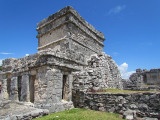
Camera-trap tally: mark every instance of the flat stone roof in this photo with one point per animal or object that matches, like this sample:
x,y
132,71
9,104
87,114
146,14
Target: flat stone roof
x,y
65,11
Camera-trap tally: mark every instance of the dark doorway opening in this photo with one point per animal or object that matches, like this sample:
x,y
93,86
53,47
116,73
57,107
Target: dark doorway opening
x,y
65,87
19,87
31,87
9,87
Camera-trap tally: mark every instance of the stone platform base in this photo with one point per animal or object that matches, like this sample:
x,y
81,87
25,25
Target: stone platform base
x,y
56,107
10,110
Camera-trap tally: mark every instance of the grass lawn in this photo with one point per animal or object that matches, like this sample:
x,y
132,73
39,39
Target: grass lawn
x,y
125,91
81,114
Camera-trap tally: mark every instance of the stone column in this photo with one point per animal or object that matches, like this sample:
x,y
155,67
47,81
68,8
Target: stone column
x,y
58,78
4,94
54,87
25,95
40,86
36,86
14,88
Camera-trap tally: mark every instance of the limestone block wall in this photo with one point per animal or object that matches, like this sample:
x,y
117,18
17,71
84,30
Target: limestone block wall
x,y
94,44
49,90
100,73
153,77
66,25
130,106
40,86
52,35
115,80
48,87
20,65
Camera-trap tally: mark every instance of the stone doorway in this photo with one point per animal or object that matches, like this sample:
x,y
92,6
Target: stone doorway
x,y
19,84
9,86
65,87
31,87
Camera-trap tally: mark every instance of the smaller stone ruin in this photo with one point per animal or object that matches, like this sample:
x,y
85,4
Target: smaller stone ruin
x,y
143,80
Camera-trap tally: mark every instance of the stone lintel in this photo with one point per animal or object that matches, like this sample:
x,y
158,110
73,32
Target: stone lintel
x,y
51,59
59,61
65,11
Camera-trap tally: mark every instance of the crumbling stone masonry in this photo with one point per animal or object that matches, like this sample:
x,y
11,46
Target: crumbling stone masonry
x,y
70,58
133,106
144,80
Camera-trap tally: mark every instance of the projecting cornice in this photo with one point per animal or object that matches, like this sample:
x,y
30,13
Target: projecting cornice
x,y
72,17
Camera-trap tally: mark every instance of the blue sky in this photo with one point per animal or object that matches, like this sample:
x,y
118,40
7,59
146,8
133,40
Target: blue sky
x,y
131,28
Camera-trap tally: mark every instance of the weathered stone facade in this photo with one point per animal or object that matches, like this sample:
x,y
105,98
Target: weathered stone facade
x,y
101,73
144,80
70,58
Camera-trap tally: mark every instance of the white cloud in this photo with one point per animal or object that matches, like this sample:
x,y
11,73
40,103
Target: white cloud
x,y
3,53
0,62
115,53
117,9
123,70
27,54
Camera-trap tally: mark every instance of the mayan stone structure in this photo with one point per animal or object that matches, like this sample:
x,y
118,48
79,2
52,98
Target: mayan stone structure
x,y
70,58
144,80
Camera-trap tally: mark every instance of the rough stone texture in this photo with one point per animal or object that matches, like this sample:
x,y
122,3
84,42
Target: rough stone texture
x,y
143,80
25,88
63,12
101,73
14,89
4,94
67,23
49,91
10,110
131,106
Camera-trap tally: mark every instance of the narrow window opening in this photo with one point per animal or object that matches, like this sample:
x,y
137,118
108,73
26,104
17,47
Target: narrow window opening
x,y
19,87
31,87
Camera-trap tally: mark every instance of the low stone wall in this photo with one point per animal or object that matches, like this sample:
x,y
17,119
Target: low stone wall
x,y
130,106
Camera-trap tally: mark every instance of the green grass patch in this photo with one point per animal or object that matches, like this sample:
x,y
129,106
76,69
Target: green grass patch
x,y
125,91
145,85
81,114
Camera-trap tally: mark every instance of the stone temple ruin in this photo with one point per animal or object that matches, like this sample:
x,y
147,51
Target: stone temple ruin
x,y
143,80
70,58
